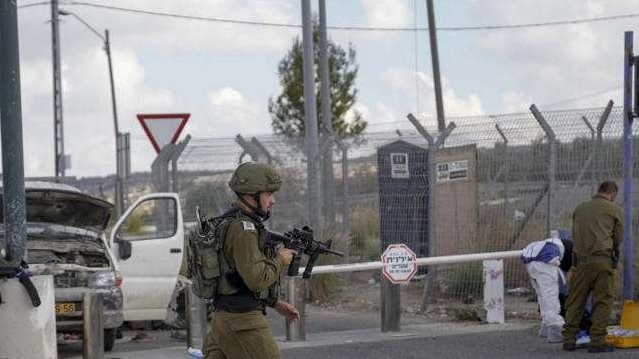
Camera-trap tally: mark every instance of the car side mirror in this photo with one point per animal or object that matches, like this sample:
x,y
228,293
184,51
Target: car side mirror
x,y
124,249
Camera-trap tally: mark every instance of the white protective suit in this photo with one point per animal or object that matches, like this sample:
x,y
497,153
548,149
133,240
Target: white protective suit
x,y
542,263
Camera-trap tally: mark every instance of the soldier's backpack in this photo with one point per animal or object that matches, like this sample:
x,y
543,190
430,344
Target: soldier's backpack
x,y
203,254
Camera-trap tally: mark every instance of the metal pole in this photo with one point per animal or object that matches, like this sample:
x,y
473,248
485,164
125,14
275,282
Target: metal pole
x,y
434,54
312,146
58,125
345,203
628,161
391,306
196,319
327,115
11,127
552,164
119,195
93,326
296,295
433,146
600,127
506,176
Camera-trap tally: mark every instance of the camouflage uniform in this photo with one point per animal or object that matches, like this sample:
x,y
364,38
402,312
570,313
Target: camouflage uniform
x,y
240,328
597,230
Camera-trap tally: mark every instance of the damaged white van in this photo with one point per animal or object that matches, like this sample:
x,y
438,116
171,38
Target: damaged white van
x,y
136,270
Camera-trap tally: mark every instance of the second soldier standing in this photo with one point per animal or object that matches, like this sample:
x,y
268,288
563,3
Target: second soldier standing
x,y
597,228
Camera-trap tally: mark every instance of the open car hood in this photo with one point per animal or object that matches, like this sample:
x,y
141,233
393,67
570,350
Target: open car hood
x,y
65,206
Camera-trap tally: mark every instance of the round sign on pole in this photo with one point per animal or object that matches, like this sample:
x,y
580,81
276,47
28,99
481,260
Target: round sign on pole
x,y
399,263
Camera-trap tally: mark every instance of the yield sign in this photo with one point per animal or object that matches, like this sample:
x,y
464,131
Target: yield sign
x,y
398,263
163,128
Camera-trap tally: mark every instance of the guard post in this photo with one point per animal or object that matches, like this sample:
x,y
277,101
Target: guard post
x,y
403,209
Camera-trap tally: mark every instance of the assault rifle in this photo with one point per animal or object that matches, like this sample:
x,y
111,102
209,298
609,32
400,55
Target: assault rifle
x,y
301,240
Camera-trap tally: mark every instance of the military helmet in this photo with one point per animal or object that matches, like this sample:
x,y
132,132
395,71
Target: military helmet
x,y
253,177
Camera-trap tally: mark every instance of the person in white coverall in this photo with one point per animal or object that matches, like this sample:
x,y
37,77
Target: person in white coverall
x,y
542,259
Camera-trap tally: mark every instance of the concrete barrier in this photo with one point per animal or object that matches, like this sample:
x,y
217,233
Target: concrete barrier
x,y
27,331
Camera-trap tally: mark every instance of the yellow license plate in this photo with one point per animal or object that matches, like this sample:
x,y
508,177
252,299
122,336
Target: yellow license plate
x,y
62,308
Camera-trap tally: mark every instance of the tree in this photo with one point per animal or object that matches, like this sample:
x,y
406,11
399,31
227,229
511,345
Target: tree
x,y
287,109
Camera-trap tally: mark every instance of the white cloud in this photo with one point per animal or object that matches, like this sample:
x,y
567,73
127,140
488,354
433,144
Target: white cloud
x,y
403,80
549,64
231,113
513,102
88,123
387,13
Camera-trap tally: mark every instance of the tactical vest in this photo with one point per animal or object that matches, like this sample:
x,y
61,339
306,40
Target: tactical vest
x,y
215,279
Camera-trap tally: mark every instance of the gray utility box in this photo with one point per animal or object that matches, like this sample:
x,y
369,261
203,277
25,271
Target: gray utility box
x,y
403,196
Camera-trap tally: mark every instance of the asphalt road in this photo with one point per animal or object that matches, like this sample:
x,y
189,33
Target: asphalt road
x,y
516,344
334,334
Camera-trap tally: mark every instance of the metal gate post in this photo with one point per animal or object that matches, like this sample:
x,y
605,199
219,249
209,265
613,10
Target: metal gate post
x,y
93,326
552,164
598,143
433,145
196,319
504,167
296,295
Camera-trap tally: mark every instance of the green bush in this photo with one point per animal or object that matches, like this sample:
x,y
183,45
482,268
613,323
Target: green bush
x,y
365,232
466,280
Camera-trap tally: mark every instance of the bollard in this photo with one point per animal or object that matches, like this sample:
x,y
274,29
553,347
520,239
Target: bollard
x,y
93,326
296,295
196,319
391,308
494,291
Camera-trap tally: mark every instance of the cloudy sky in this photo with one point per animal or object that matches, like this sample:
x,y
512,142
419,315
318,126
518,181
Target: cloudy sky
x,y
223,74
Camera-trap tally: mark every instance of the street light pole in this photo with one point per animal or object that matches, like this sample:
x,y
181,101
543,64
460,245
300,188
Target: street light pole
x,y
58,125
119,171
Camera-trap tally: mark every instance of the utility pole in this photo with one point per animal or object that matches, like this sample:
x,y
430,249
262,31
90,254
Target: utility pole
x,y
119,173
58,124
310,114
327,120
120,140
11,127
434,54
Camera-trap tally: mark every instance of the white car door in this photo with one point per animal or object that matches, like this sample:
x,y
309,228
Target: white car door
x,y
148,241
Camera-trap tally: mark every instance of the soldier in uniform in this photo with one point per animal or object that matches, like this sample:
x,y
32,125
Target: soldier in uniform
x,y
597,229
250,279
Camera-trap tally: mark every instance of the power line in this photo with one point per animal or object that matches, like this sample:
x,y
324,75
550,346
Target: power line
x,y
356,28
582,97
33,4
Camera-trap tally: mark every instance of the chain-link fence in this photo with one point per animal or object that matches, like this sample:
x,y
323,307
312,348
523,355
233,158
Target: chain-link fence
x,y
499,182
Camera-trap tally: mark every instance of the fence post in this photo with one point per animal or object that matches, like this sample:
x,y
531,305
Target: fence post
x,y
247,149
600,127
296,295
433,145
505,167
262,150
552,164
391,305
494,290
345,203
196,319
93,326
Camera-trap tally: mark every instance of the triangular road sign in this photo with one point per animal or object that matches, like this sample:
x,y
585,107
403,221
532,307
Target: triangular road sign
x,y
163,128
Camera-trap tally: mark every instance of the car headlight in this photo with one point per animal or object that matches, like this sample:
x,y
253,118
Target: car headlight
x,y
105,279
